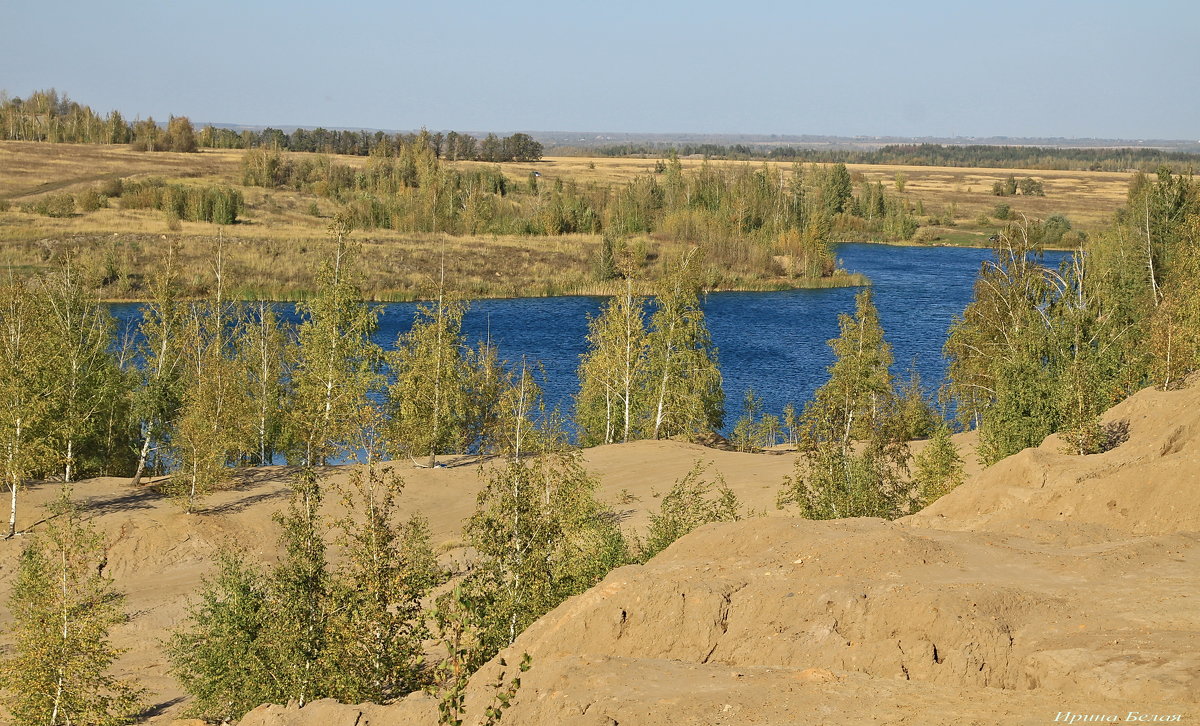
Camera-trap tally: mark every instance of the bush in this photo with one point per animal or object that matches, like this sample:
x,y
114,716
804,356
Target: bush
x,y
55,205
90,200
111,187
1002,211
692,502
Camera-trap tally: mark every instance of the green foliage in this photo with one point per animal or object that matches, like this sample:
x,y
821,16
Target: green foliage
x,y
264,349
62,608
429,398
613,372
832,481
1002,211
220,657
754,430
26,418
378,624
685,393
853,451
692,502
541,537
918,419
54,205
159,395
304,631
336,367
938,468
1031,187
90,395
89,200
191,203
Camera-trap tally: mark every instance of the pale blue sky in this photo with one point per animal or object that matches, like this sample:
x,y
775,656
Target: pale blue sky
x,y
1017,68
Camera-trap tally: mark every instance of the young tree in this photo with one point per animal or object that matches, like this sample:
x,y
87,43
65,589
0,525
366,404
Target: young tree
x,y
612,373
90,383
853,453
429,398
541,537
299,628
27,387
522,426
220,657
689,504
157,400
938,468
213,426
264,349
686,394
377,622
63,606
337,365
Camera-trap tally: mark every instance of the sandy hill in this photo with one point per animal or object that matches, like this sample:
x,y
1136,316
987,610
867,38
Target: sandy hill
x,y
1048,586
158,554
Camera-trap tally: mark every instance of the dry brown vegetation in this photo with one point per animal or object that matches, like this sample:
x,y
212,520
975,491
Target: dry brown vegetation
x,y
276,246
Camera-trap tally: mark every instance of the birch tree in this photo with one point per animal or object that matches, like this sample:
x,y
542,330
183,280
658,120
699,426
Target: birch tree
x,y
685,382
337,365
63,606
264,350
159,395
612,374
88,379
428,400
27,388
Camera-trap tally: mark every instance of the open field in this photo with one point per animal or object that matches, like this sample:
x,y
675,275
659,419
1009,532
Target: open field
x,y
275,248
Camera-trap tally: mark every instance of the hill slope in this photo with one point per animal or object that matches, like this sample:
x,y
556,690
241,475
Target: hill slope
x,y
1048,583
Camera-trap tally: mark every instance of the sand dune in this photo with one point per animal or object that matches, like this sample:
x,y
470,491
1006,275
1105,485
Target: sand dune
x,y
1047,583
1047,586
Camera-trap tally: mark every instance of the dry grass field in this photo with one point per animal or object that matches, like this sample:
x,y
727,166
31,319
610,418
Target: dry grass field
x,y
275,247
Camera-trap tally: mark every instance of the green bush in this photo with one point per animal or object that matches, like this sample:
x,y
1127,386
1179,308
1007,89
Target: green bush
x,y
55,205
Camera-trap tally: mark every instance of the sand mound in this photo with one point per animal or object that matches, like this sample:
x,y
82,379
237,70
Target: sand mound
x,y
1148,484
768,620
1047,584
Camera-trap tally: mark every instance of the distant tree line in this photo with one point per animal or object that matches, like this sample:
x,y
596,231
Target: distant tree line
x,y
50,116
966,155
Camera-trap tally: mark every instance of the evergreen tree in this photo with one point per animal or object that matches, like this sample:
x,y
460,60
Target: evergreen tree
x,y
63,606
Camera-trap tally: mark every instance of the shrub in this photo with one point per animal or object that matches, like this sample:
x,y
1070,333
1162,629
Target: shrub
x,y
55,205
89,200
1002,211
692,502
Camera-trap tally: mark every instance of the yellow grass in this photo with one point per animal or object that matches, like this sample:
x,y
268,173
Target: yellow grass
x,y
278,243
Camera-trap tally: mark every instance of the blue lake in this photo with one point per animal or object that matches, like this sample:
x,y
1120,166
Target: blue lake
x,y
773,342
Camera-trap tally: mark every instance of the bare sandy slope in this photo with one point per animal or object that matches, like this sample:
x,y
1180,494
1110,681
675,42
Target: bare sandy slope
x,y
1047,584
158,555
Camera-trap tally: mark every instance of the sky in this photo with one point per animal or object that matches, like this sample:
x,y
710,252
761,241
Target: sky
x,y
1079,69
